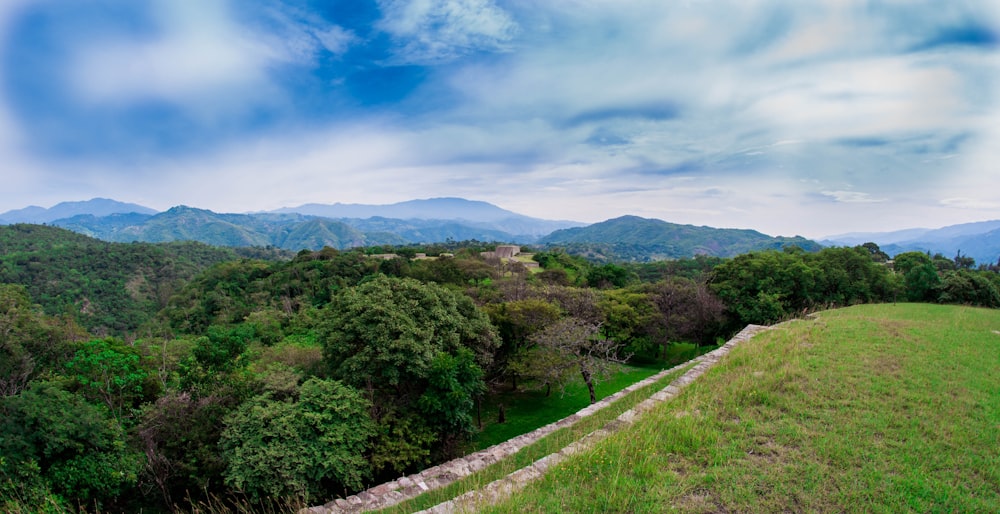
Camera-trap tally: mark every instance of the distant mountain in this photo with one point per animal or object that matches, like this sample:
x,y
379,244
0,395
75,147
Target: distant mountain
x,y
184,223
467,212
429,231
979,240
98,207
288,231
316,233
635,238
860,238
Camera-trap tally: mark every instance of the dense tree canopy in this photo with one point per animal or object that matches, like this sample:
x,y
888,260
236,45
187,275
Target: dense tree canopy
x,y
148,377
417,352
299,448
765,287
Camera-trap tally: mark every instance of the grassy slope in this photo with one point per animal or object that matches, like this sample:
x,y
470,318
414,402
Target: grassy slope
x,y
877,408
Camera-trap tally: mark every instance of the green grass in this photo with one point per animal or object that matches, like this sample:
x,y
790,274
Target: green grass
x,y
876,408
528,409
547,445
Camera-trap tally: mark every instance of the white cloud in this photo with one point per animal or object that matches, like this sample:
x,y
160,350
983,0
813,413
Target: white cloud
x,y
199,53
335,39
852,197
970,203
202,58
434,31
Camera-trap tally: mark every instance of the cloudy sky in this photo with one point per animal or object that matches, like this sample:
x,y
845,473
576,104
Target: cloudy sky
x,y
798,117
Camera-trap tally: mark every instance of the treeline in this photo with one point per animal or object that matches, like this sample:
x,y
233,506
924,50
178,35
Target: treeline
x,y
765,287
309,378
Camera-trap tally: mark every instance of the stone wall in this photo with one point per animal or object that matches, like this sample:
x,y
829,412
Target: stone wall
x,y
404,488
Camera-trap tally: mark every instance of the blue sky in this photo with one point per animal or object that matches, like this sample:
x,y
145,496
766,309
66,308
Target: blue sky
x,y
810,118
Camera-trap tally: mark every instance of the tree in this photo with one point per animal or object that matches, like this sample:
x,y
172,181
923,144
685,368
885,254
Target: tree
x,y
968,287
516,321
72,446
919,275
30,342
575,343
179,435
964,261
610,275
299,449
762,287
685,311
108,371
392,339
875,252
628,318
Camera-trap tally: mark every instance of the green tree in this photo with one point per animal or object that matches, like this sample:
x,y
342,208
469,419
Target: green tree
x,y
389,338
302,449
875,252
67,445
31,343
964,261
629,319
968,287
920,276
610,275
108,371
516,321
762,287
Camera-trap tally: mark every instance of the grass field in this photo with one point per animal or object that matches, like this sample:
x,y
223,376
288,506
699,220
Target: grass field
x,y
875,408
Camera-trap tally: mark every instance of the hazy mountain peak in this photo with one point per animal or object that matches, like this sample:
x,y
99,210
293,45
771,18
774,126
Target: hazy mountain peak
x,y
95,206
428,208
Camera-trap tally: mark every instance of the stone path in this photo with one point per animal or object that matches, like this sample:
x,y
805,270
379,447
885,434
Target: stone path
x,y
404,488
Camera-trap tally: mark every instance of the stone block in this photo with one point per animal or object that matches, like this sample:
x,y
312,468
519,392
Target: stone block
x,y
392,498
524,475
477,464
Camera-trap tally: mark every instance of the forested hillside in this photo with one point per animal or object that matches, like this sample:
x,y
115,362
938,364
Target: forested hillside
x,y
632,238
154,377
109,288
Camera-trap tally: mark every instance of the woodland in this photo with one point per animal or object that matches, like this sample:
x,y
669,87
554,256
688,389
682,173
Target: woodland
x,y
159,376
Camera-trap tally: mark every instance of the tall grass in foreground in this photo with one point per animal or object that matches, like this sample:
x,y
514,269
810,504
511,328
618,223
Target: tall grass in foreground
x,y
549,444
874,408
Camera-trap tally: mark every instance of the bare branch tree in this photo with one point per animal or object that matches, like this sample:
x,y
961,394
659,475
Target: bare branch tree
x,y
574,343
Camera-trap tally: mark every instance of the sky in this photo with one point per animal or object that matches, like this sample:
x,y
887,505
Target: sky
x,y
788,117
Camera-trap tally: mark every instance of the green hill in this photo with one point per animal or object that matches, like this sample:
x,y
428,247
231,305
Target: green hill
x,y
873,408
111,288
635,238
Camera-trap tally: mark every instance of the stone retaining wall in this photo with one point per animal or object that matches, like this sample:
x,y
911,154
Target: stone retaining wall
x,y
404,488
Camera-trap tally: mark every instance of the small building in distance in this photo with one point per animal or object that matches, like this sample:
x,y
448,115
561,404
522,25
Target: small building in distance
x,y
503,252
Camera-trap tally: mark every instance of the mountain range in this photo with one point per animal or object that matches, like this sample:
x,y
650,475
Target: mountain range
x,y
979,240
310,226
341,226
